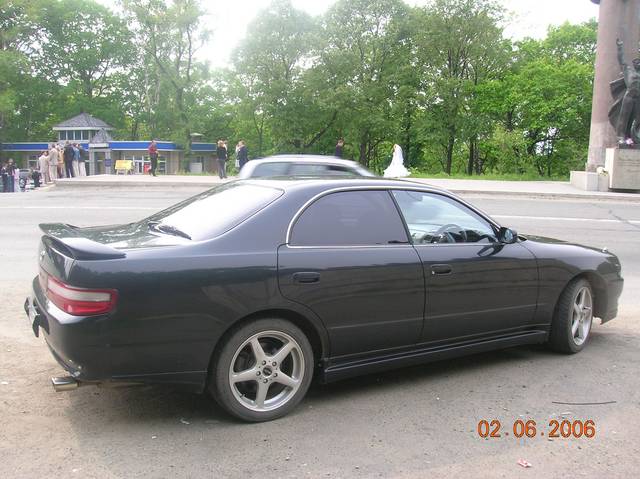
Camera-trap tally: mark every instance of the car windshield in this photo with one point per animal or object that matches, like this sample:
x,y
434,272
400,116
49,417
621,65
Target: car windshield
x,y
215,211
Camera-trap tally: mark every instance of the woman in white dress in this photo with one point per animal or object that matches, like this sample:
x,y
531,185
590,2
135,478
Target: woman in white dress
x,y
396,169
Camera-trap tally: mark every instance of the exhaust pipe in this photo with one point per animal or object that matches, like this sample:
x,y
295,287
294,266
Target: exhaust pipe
x,y
65,383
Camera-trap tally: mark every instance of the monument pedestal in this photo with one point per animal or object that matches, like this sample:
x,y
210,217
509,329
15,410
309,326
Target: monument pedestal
x,y
588,181
623,168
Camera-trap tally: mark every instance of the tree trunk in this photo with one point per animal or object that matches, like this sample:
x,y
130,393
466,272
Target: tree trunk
x,y
363,153
450,145
407,137
472,156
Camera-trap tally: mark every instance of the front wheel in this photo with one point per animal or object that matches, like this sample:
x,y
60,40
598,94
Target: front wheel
x,y
573,318
263,370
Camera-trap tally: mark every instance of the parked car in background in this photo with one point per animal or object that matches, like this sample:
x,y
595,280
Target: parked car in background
x,y
252,288
302,165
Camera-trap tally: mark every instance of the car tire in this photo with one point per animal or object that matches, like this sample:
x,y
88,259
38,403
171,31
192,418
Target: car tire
x,y
262,371
573,318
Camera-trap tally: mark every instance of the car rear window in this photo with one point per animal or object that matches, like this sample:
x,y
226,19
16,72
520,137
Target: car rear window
x,y
314,169
270,169
218,210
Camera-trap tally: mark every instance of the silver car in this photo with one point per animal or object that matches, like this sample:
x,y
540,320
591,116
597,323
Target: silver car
x,y
302,165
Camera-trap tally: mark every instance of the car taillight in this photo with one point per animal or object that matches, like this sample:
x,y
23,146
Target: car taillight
x,y
80,302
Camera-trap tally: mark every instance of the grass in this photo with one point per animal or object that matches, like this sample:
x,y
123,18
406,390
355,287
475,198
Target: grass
x,y
489,176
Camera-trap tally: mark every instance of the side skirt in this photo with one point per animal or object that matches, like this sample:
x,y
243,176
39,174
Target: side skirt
x,y
425,355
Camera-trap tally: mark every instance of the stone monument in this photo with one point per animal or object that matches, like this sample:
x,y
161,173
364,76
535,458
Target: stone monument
x,y
618,39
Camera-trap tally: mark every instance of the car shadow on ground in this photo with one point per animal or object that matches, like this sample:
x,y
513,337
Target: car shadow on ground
x,y
148,404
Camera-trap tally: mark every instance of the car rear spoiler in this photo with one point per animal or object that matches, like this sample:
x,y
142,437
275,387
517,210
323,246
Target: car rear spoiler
x,y
67,240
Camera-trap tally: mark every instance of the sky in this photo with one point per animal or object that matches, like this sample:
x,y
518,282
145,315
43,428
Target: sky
x,y
229,19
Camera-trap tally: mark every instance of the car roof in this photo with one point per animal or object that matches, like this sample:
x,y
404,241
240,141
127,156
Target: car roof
x,y
323,183
291,158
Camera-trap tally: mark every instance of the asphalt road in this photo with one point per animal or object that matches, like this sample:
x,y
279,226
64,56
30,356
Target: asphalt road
x,y
414,423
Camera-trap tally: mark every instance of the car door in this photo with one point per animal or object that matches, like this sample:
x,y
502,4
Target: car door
x,y
476,285
348,258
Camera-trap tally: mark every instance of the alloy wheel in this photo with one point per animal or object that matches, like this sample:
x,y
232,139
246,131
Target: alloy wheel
x,y
266,371
581,316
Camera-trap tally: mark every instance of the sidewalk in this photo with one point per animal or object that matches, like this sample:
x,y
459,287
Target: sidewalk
x,y
534,189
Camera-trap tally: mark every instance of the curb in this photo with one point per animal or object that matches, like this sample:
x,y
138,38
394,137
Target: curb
x,y
627,198
142,184
621,197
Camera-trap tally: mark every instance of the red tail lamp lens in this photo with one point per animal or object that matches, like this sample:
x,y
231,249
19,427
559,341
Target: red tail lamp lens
x,y
80,302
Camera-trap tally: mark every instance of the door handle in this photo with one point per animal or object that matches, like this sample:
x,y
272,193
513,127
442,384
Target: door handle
x,y
440,269
307,277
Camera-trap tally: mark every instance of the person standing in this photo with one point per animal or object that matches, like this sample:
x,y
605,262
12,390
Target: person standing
x,y
60,161
43,166
221,153
396,169
53,163
11,176
242,154
76,159
5,177
82,169
339,147
153,156
68,160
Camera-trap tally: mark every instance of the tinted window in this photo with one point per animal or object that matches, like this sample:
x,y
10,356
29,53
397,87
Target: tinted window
x,y
270,169
310,169
435,218
350,218
216,211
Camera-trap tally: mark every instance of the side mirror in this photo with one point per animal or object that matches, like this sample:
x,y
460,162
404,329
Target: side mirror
x,y
507,235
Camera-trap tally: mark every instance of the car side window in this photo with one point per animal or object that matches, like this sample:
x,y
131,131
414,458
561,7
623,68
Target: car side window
x,y
350,218
335,170
433,218
270,169
306,169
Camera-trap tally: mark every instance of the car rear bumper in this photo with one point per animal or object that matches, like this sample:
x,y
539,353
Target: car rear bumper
x,y
77,343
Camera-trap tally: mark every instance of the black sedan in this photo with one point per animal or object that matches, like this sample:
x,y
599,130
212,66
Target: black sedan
x,y
250,289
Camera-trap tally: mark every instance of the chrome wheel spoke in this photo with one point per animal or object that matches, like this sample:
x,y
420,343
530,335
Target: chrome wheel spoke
x,y
261,395
286,380
577,311
258,352
574,327
282,353
243,376
584,330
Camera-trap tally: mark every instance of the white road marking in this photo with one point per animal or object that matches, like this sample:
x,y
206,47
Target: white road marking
x,y
559,218
79,208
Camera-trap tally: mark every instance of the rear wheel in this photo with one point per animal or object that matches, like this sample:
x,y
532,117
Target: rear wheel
x,y
573,318
263,370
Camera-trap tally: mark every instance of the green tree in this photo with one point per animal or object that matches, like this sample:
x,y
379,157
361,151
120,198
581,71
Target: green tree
x,y
546,99
459,47
269,65
81,44
169,34
364,46
17,26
